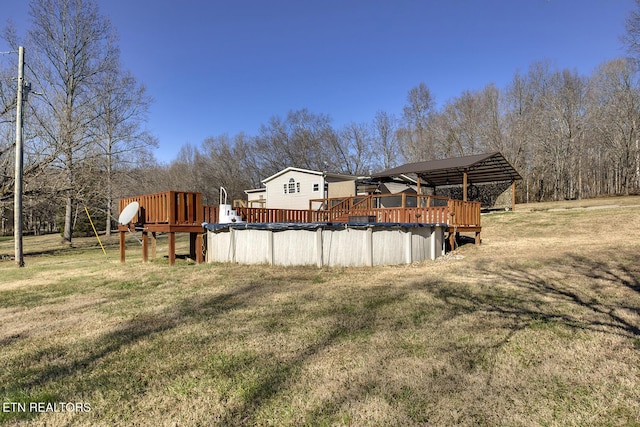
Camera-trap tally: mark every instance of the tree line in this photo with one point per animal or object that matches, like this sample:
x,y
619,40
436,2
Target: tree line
x,y
569,135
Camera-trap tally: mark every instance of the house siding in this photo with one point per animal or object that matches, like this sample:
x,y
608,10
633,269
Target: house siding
x,y
276,198
257,197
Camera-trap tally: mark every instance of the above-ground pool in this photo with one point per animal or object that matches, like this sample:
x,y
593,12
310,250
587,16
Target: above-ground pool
x,y
320,244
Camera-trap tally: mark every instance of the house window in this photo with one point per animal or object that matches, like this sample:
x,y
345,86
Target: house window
x,y
285,188
298,187
292,185
316,187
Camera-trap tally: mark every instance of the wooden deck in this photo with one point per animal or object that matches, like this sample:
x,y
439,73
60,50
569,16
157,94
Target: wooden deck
x,y
175,212
169,212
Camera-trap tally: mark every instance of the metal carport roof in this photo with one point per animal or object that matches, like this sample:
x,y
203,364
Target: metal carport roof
x,y
479,168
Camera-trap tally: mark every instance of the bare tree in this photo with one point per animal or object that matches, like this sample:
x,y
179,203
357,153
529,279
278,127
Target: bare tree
x,y
121,109
519,122
73,46
228,162
416,143
615,114
385,140
353,149
631,38
302,139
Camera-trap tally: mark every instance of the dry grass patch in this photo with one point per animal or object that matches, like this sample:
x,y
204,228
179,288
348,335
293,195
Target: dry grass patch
x,y
538,326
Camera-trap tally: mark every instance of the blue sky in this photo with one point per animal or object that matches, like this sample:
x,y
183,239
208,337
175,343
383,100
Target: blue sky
x,y
227,66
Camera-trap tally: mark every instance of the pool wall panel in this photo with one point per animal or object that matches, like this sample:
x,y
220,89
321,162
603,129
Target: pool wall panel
x,y
330,245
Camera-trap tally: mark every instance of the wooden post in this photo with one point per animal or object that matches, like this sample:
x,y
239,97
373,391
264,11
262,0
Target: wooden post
x,y
192,246
513,196
171,206
464,185
199,248
145,246
153,244
172,248
122,247
195,247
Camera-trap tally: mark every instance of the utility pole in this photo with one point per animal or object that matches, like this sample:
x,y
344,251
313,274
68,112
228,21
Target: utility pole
x,y
17,191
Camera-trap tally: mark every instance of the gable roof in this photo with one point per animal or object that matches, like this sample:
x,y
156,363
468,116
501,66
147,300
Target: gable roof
x,y
480,168
290,169
310,172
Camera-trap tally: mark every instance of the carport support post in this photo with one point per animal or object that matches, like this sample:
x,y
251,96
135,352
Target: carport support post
x,y
513,196
464,185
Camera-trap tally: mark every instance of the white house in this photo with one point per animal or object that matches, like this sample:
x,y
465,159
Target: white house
x,y
292,188
257,197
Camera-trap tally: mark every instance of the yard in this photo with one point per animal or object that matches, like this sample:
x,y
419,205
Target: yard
x,y
540,325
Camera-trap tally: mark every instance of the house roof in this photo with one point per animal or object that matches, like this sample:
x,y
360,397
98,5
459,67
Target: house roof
x,y
311,172
480,168
256,190
290,169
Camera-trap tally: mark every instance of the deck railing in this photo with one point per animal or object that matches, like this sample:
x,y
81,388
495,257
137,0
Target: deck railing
x,y
185,208
464,213
397,200
170,207
434,215
456,213
267,215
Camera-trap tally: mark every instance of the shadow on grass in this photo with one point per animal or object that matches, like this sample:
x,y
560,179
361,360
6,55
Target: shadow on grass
x,y
594,299
351,321
48,365
597,300
532,298
93,365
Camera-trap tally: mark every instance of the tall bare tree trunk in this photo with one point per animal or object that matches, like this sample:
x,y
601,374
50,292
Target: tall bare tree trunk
x,y
109,187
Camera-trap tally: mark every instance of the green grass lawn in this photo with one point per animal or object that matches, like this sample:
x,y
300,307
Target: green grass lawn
x,y
540,325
